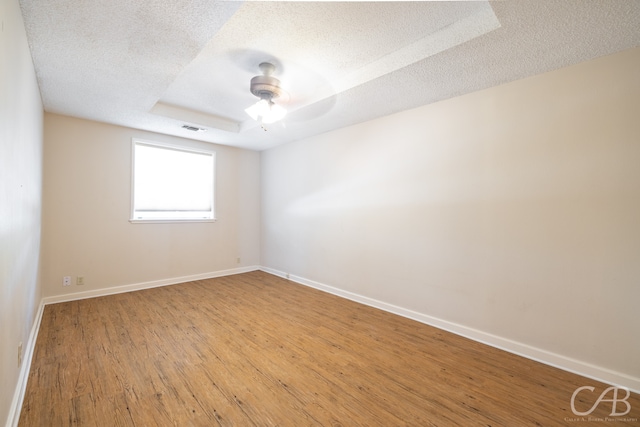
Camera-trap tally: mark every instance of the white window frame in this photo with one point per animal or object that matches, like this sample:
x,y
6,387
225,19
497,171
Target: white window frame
x,y
132,216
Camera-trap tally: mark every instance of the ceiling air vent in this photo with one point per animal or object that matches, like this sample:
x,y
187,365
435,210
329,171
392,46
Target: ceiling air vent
x,y
193,128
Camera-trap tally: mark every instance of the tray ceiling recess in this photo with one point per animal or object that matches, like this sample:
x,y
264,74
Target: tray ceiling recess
x,y
172,67
331,49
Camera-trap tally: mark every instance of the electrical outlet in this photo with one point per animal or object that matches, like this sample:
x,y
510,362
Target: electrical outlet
x,y
66,281
80,281
238,260
20,354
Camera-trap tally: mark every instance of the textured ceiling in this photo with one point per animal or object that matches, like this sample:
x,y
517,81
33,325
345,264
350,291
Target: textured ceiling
x,y
156,65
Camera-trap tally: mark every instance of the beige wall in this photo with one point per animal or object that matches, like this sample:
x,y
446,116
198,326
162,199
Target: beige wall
x,y
20,197
87,196
514,211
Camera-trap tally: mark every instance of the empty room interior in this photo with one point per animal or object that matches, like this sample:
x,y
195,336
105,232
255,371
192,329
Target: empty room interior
x,y
320,213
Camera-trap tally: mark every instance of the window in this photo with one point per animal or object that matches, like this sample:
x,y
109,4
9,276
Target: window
x,y
171,183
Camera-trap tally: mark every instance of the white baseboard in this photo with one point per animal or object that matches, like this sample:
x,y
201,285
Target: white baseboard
x,y
539,355
23,376
145,285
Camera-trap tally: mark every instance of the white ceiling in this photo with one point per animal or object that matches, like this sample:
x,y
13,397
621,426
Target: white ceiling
x,y
156,65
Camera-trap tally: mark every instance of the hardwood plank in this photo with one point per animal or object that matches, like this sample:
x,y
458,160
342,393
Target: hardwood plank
x,y
254,349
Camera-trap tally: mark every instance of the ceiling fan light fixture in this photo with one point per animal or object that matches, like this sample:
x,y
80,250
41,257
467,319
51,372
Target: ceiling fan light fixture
x,y
266,111
266,87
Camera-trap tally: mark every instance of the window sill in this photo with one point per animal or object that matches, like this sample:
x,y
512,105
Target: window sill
x,y
168,221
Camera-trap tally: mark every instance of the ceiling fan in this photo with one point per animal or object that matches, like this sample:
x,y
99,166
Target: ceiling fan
x,y
267,88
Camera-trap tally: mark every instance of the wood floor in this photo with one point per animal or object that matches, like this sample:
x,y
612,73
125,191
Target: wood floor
x,y
257,350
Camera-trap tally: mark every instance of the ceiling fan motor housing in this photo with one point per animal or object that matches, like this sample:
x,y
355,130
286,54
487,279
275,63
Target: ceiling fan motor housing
x,y
266,86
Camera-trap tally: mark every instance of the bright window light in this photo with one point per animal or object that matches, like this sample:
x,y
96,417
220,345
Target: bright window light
x,y
172,183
